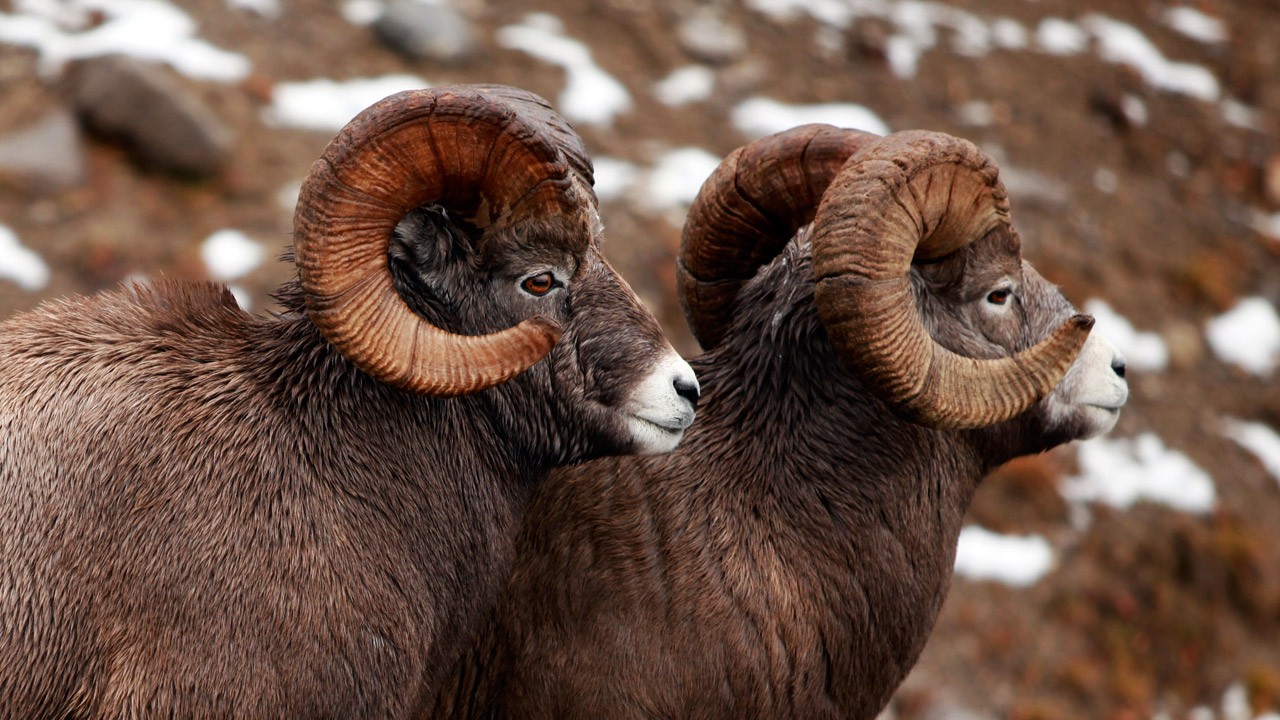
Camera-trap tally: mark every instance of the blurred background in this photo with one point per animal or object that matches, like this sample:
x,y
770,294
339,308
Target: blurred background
x,y
1133,576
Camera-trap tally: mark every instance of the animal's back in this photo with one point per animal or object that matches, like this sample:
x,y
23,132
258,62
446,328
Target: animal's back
x,y
136,524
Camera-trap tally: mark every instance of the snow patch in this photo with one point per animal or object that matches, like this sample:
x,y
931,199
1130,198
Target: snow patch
x,y
1247,335
152,30
1265,223
613,177
760,116
269,9
327,105
1240,115
976,113
230,255
1134,109
677,177
287,196
1059,37
1009,34
590,95
1106,181
1142,350
1259,439
836,13
1120,472
1017,560
691,83
19,264
903,55
242,296
1195,24
362,12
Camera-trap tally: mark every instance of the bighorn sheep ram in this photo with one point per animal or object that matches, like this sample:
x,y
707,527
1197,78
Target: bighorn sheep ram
x,y
790,559
210,514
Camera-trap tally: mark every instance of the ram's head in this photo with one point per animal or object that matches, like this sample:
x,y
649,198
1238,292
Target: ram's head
x,y
448,243
919,277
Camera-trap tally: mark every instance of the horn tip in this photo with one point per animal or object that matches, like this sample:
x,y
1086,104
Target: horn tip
x,y
546,332
1083,322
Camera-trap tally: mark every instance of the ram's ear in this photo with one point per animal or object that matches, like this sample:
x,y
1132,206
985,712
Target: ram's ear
x,y
429,238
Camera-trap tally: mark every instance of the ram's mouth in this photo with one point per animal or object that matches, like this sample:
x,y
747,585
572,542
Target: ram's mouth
x,y
672,429
657,436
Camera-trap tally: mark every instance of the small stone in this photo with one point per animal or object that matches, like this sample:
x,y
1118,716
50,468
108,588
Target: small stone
x,y
149,109
47,156
259,87
1185,343
869,39
705,36
426,31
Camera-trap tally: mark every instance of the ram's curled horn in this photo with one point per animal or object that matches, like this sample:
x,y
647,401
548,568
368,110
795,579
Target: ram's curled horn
x,y
493,155
747,211
921,195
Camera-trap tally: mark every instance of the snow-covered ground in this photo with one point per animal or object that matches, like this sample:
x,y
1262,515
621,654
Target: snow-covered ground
x,y
1247,335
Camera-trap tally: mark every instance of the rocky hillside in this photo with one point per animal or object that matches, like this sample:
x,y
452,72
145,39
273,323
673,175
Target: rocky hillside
x,y
1135,576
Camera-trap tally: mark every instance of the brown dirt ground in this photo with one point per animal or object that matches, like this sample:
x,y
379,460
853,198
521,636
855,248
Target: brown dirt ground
x,y
1149,609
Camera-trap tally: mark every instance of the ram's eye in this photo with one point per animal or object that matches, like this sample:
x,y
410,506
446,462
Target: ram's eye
x,y
539,284
999,297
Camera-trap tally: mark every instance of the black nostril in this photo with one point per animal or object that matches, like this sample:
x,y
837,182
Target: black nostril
x,y
1118,366
686,389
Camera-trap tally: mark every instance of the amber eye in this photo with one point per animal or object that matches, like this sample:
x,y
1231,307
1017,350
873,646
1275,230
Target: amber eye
x,y
999,297
539,284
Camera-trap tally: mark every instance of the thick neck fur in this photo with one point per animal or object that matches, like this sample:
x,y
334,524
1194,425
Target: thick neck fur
x,y
788,560
852,513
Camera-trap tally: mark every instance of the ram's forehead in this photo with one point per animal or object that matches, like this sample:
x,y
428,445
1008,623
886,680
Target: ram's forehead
x,y
549,237
1000,251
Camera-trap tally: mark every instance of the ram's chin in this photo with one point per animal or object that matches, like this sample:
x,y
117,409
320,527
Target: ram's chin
x,y
1095,420
650,438
1080,421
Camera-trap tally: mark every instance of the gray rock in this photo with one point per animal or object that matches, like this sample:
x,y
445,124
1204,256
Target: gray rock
x,y
705,36
48,156
426,31
151,111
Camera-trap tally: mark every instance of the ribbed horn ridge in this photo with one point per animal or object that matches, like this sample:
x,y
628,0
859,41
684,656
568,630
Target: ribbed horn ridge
x,y
493,155
747,211
921,195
